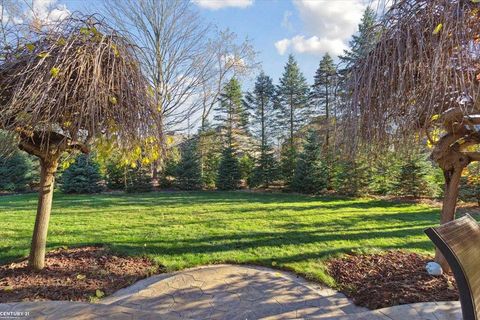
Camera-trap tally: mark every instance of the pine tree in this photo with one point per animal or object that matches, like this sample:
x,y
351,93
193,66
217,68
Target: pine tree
x,y
17,172
363,42
309,172
231,115
265,172
229,174
386,169
139,179
352,176
323,92
170,165
291,102
246,164
83,176
115,176
260,103
188,171
413,180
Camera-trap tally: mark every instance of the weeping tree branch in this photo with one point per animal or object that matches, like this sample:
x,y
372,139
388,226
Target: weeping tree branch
x,y
423,75
64,87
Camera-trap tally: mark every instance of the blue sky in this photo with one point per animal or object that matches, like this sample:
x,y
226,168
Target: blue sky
x,y
306,28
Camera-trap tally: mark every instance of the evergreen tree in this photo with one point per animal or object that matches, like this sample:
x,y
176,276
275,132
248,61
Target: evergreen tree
x,y
288,162
115,175
309,172
210,150
265,172
230,114
139,179
363,41
169,172
188,170
291,102
16,172
246,163
385,170
260,103
82,176
323,93
413,179
229,174
352,176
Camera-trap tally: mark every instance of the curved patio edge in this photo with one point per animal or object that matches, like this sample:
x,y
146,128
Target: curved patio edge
x,y
226,292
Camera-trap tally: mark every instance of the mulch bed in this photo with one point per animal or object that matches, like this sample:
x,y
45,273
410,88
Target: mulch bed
x,y
75,274
392,278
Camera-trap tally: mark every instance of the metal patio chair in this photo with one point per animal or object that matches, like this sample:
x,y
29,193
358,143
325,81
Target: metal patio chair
x,y
459,242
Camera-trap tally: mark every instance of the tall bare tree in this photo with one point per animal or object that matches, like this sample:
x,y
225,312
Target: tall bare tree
x,y
172,43
424,75
231,59
64,87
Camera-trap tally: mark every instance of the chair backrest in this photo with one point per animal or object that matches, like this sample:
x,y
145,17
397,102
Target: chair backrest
x,y
459,242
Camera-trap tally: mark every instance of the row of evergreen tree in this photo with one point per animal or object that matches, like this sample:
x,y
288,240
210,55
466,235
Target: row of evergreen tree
x,y
387,174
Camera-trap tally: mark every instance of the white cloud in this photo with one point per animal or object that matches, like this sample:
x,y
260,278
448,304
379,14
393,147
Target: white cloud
x,y
219,4
328,23
282,45
48,11
313,45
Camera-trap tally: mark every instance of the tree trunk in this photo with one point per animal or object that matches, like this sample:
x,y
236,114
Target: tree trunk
x,y
39,238
452,182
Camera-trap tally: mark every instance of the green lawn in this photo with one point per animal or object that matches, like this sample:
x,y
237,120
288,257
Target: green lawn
x,y
180,230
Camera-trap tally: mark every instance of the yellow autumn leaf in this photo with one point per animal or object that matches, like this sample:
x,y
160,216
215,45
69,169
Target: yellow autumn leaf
x,y
30,46
438,28
61,42
99,293
81,276
54,72
435,117
115,50
85,31
43,55
113,100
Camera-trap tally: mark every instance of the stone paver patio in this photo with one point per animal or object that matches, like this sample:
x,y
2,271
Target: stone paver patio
x,y
226,292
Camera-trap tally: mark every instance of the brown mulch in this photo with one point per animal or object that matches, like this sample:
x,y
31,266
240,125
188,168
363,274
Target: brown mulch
x,y
75,274
392,278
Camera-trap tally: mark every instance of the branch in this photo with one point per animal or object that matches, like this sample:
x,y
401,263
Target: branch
x,y
473,156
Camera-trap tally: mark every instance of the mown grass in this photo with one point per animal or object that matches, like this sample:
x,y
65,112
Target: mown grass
x,y
180,230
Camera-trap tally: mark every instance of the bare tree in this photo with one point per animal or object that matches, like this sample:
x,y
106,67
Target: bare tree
x,y
424,75
231,58
172,41
64,87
